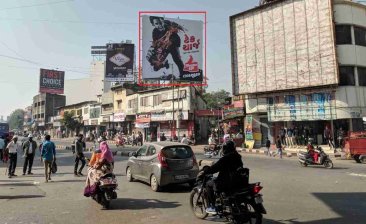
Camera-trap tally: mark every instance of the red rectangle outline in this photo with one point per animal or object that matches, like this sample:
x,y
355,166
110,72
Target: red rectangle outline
x,y
140,40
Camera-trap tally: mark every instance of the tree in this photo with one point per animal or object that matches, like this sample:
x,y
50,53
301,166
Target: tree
x,y
16,119
71,123
216,99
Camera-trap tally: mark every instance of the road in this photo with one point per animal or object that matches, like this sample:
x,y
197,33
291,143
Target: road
x,y
292,194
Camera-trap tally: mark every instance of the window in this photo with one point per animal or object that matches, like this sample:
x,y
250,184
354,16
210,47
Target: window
x,y
39,104
270,101
360,36
79,112
178,152
343,34
346,76
132,103
86,110
144,101
157,100
42,103
361,76
42,115
151,151
35,105
119,104
142,151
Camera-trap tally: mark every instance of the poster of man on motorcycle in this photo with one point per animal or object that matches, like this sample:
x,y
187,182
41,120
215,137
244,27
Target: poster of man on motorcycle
x,y
172,47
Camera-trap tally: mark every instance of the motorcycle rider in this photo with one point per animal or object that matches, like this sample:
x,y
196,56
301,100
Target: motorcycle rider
x,y
226,166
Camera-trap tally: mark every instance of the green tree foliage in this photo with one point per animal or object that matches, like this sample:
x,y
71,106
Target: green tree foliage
x,y
16,119
71,123
216,99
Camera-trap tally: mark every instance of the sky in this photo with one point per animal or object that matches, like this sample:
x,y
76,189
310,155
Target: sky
x,y
58,34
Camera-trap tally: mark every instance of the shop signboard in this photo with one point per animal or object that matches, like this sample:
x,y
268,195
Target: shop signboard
x,y
143,118
168,116
233,112
142,125
119,117
94,122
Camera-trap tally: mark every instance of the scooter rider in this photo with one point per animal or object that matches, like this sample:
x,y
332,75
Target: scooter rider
x,y
225,181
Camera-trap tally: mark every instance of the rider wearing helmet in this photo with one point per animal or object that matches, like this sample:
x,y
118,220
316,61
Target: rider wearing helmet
x,y
226,166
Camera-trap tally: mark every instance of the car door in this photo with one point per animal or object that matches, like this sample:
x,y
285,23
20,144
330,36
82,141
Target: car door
x,y
137,165
148,161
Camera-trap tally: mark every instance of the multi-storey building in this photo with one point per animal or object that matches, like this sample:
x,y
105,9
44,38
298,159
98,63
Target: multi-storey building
x,y
44,107
302,65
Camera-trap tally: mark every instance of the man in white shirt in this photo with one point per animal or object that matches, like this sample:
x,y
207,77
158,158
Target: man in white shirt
x,y
13,148
185,140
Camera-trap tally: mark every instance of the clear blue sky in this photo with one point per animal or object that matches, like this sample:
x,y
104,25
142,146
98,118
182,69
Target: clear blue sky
x,y
58,34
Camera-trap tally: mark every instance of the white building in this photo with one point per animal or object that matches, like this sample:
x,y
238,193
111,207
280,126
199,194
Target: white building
x,y
301,64
87,89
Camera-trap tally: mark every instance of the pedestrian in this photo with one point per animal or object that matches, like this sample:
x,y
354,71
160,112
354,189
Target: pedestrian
x,y
279,146
268,146
2,147
29,149
79,156
48,155
12,150
185,140
290,134
328,137
162,137
282,135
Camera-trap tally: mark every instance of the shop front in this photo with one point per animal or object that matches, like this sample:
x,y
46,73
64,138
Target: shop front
x,y
142,125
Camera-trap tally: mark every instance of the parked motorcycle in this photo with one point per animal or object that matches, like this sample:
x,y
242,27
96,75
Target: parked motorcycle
x,y
306,159
210,152
106,190
244,206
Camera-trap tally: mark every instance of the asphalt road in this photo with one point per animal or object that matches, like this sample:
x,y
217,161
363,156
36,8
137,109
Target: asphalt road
x,y
292,194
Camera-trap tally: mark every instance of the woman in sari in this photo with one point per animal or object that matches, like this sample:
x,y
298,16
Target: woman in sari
x,y
100,164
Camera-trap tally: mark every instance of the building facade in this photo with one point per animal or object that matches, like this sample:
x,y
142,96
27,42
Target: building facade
x,y
309,66
44,107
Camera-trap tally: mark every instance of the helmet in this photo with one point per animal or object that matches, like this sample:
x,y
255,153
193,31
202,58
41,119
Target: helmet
x,y
30,136
228,147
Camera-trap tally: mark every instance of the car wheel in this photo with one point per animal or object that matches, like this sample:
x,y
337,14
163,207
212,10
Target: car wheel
x,y
154,183
129,174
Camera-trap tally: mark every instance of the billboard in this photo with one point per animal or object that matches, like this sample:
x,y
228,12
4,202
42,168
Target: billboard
x,y
285,45
51,81
172,47
119,63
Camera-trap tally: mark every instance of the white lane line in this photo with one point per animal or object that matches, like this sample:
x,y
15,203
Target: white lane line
x,y
358,174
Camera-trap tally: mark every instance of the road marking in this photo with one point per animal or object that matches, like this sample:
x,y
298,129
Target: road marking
x,y
358,174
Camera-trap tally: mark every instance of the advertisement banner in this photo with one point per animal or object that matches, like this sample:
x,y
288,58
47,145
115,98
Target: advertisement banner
x,y
51,81
248,127
119,63
119,117
172,46
142,125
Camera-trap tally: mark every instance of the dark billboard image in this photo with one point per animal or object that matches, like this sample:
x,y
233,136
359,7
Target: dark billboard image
x,y
51,81
119,63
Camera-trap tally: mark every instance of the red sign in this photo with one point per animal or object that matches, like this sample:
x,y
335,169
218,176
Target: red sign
x,y
143,118
239,104
51,81
208,113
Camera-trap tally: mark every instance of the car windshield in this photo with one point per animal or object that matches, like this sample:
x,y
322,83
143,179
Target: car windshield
x,y
178,152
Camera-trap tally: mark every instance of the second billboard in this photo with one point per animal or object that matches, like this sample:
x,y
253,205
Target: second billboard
x,y
172,47
119,63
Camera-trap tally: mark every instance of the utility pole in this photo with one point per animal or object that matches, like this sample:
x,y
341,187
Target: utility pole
x,y
173,121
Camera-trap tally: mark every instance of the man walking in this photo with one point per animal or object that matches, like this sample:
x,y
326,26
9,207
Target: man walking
x,y
2,147
268,146
79,156
29,149
13,148
279,146
48,155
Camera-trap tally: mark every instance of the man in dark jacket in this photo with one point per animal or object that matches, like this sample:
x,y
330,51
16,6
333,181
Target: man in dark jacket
x,y
79,156
227,167
29,149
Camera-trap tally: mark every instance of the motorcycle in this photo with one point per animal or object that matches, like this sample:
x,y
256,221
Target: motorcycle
x,y
210,152
120,142
239,207
106,190
306,159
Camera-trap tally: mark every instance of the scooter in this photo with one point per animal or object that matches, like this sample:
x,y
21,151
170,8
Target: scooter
x,y
306,159
106,190
209,152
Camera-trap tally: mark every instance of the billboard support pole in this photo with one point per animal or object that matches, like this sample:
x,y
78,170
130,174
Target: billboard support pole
x,y
173,122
